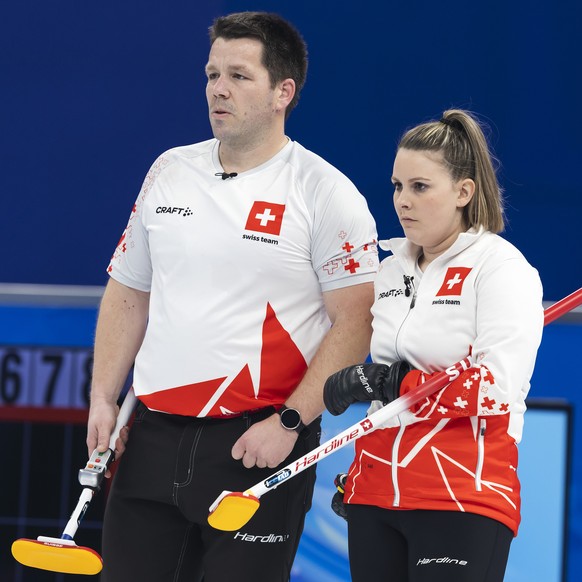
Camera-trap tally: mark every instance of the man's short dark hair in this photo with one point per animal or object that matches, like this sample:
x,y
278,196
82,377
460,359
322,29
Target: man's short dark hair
x,y
284,50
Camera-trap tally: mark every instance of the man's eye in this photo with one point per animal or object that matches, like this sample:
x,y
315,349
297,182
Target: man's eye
x,y
238,76
212,76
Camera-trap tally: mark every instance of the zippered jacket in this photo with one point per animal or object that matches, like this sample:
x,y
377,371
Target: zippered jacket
x,y
457,449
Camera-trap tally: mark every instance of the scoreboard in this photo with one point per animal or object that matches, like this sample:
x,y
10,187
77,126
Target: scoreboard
x,y
45,376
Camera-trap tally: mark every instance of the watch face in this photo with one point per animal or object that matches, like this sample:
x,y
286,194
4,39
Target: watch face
x,y
290,418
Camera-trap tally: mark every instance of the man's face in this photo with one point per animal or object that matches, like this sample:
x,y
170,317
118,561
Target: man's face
x,y
242,104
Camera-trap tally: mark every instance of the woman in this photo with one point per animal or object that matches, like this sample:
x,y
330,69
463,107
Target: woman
x,y
434,495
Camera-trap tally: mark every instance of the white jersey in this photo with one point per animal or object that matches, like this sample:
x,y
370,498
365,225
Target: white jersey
x,y
236,269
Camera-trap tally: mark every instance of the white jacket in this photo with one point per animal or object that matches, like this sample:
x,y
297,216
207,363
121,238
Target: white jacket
x,y
456,450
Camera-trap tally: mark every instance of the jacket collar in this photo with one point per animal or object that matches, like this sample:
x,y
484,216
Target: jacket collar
x,y
407,252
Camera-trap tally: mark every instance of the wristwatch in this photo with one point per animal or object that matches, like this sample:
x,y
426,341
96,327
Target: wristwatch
x,y
290,419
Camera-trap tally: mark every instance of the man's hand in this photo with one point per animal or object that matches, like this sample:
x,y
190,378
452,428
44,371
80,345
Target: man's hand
x,y
265,444
102,419
362,383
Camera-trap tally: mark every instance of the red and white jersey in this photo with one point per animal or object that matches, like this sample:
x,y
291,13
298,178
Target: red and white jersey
x,y
457,449
236,269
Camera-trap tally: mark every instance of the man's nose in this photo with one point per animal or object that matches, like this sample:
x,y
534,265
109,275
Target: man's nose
x,y
220,87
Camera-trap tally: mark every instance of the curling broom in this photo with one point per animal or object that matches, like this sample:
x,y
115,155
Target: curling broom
x,y
63,554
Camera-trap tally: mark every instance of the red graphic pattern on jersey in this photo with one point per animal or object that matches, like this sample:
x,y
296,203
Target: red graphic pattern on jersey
x,y
240,391
470,478
460,461
266,217
121,248
454,279
282,367
348,263
282,364
444,456
352,266
464,396
184,400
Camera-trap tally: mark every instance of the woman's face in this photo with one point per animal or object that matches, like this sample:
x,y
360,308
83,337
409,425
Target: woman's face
x,y
428,203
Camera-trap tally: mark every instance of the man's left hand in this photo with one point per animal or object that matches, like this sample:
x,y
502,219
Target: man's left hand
x,y
265,444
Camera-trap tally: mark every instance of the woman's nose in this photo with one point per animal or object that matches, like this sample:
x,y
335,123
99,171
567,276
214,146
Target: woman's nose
x,y
402,200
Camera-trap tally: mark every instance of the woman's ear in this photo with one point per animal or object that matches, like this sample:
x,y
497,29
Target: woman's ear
x,y
466,192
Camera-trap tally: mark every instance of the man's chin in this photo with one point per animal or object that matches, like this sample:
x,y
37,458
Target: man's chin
x,y
219,129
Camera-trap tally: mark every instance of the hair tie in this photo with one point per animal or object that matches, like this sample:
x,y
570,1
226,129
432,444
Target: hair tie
x,y
446,121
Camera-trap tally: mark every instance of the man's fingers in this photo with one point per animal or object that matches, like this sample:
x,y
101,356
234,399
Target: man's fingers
x,y
124,434
104,436
249,461
238,450
121,441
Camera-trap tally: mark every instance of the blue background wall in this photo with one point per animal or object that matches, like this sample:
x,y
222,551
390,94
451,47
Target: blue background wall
x,y
91,93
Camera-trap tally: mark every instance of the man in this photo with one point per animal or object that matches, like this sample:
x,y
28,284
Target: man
x,y
242,281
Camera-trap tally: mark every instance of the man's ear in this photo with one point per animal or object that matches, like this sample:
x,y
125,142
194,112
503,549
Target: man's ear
x,y
466,192
284,94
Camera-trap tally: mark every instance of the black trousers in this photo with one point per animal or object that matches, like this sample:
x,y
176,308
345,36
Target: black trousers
x,y
425,546
155,527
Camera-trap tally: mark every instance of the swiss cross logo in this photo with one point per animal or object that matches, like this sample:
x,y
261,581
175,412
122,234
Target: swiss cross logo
x,y
265,217
488,403
366,425
454,279
352,266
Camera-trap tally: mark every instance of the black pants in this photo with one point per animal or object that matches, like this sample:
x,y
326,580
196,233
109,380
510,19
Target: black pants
x,y
155,526
425,546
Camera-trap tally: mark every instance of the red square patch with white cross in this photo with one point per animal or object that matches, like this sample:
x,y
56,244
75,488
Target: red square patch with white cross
x,y
265,217
454,279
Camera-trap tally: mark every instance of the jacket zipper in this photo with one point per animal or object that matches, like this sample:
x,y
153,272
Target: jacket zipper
x,y
480,453
410,288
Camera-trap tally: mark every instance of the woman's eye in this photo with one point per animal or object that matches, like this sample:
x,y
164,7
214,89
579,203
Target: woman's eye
x,y
397,186
420,187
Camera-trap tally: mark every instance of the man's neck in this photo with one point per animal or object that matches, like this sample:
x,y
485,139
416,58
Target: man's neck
x,y
237,159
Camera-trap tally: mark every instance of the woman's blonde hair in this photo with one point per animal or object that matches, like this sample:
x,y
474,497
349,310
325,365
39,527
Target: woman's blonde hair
x,y
459,136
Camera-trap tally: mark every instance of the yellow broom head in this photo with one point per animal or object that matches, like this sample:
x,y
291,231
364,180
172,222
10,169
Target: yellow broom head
x,y
57,555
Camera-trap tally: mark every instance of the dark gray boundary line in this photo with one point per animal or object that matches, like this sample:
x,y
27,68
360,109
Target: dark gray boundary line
x,y
50,295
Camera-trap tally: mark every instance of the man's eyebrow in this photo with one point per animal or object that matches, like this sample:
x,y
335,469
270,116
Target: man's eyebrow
x,y
242,67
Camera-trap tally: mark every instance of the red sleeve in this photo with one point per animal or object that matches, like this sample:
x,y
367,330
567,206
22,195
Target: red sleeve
x,y
464,396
